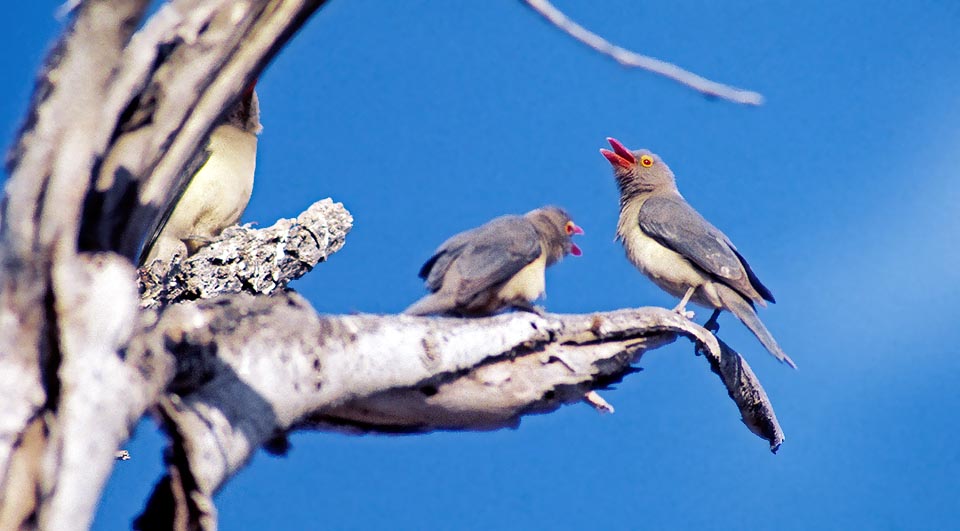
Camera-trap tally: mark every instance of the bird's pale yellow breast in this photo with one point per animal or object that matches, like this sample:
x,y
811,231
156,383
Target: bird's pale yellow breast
x,y
528,284
666,268
222,187
217,194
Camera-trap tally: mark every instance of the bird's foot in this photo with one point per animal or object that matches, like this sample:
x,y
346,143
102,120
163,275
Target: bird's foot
x,y
682,307
684,312
712,325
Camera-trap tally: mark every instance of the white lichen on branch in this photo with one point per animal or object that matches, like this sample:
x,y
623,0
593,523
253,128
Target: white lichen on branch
x,y
244,259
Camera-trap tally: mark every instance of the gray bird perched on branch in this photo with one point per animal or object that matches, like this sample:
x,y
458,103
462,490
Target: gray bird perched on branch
x,y
679,250
498,265
218,192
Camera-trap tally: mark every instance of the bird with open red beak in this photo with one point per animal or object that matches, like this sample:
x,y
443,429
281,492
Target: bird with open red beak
x,y
498,265
679,250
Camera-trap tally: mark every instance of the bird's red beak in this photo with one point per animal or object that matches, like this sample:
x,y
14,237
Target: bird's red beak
x,y
620,156
574,250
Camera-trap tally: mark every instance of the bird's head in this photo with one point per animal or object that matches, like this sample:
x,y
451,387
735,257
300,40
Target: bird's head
x,y
636,171
557,230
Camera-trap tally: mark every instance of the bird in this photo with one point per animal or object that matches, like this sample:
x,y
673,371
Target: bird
x,y
496,266
679,250
218,193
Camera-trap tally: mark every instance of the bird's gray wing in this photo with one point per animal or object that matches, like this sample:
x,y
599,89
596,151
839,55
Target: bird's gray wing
x,y
496,252
510,236
434,269
676,225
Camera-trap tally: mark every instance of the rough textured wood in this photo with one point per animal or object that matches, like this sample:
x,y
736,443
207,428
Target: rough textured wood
x,y
253,368
114,124
250,260
98,310
745,390
49,169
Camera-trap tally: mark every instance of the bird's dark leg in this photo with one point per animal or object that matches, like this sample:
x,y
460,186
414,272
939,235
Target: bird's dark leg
x,y
712,325
682,307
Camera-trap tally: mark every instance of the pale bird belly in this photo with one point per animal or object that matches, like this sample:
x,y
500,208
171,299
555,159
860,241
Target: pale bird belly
x,y
222,187
528,284
668,269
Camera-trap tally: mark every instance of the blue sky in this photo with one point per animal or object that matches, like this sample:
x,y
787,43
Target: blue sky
x,y
842,190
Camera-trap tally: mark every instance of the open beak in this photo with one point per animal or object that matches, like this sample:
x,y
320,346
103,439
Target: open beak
x,y
574,250
620,156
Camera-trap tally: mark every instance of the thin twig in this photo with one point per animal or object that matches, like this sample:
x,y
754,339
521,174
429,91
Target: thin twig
x,y
633,59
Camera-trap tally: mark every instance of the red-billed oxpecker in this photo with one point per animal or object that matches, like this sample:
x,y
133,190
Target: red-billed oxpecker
x,y
679,250
498,265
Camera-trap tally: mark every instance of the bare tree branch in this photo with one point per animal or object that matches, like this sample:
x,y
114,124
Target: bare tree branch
x,y
744,388
253,368
635,60
250,260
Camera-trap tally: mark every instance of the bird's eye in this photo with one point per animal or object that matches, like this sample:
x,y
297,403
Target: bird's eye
x,y
569,227
646,161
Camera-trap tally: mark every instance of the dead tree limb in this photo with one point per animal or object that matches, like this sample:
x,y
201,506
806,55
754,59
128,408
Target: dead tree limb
x,y
250,369
118,116
247,260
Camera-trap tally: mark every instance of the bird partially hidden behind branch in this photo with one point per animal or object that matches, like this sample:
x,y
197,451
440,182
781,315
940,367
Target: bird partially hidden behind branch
x,y
679,250
498,265
218,192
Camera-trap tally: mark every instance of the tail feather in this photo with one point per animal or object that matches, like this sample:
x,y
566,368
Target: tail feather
x,y
744,311
434,303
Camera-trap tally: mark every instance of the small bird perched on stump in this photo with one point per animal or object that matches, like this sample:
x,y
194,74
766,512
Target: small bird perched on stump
x,y
498,265
679,250
218,193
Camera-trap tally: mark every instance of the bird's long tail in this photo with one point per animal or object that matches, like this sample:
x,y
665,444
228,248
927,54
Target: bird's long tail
x,y
435,303
744,311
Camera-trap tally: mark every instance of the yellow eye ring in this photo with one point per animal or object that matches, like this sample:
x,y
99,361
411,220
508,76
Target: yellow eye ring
x,y
646,161
569,227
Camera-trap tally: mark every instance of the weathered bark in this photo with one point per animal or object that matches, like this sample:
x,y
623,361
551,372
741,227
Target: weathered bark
x,y
252,368
242,259
115,120
116,124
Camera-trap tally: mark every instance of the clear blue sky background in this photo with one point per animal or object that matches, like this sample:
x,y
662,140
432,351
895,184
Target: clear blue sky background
x,y
425,119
